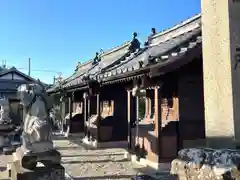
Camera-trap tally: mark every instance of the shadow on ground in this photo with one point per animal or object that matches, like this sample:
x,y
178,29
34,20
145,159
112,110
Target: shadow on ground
x,y
98,161
144,173
104,177
137,177
2,168
81,155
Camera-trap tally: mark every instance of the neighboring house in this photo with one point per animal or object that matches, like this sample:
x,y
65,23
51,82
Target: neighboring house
x,y
10,80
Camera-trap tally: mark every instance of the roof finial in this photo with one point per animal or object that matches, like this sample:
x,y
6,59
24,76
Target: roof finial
x,y
96,59
150,37
135,44
153,31
134,35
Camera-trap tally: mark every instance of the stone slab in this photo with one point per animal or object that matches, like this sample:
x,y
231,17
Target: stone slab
x,y
41,172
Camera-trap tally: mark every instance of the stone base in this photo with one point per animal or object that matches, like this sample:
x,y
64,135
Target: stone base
x,y
50,173
110,144
8,150
147,163
30,160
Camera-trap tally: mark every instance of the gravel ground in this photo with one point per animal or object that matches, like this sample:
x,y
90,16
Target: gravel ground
x,y
82,163
3,165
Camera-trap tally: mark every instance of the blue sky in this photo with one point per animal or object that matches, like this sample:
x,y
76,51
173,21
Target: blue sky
x,y
56,34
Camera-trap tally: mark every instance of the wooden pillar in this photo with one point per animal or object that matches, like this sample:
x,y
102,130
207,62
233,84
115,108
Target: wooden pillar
x,y
147,105
71,100
71,105
98,118
221,71
62,112
89,115
137,120
129,121
158,122
85,113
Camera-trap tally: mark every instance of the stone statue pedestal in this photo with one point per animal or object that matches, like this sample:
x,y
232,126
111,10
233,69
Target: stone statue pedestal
x,y
29,160
56,172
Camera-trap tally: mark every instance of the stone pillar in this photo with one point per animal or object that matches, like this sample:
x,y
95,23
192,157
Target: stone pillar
x,y
221,71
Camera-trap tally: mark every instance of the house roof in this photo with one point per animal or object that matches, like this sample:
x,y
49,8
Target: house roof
x,y
14,70
6,85
165,48
81,69
174,41
108,58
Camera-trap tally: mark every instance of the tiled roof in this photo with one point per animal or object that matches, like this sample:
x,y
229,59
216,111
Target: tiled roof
x,y
80,71
107,59
53,88
163,48
164,44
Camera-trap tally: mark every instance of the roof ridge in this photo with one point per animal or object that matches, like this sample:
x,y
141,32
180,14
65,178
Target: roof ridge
x,y
117,48
180,34
179,25
107,52
81,64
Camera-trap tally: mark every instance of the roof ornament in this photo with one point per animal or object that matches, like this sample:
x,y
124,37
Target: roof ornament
x,y
153,32
135,44
96,59
86,77
101,51
78,66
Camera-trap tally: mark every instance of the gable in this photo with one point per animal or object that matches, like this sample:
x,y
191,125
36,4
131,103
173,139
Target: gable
x,y
18,77
13,76
7,76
